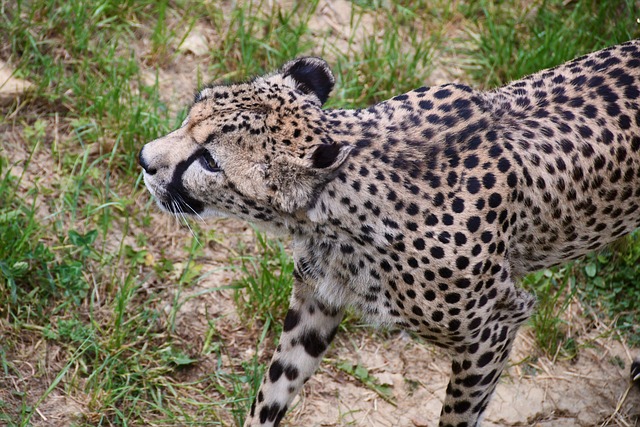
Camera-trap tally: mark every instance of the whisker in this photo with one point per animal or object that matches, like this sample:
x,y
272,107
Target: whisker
x,y
192,210
186,221
176,211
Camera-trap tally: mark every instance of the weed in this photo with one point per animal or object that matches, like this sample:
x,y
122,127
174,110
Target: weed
x,y
610,280
76,53
31,275
258,36
514,42
373,68
265,285
550,288
362,374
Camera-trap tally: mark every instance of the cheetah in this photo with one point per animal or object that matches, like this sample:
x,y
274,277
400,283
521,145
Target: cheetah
x,y
422,211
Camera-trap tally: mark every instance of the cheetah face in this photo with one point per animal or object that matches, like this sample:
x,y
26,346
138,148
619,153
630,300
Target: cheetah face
x,y
253,150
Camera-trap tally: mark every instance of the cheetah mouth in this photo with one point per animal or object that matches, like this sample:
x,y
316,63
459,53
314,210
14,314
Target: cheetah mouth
x,y
174,199
179,205
177,201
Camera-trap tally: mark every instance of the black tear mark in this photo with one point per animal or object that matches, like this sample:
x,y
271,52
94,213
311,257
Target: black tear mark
x,y
182,200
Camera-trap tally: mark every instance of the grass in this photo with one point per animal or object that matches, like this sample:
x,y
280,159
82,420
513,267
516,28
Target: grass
x,y
515,39
611,283
265,284
97,290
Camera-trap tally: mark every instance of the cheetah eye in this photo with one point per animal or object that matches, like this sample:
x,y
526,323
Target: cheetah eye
x,y
208,162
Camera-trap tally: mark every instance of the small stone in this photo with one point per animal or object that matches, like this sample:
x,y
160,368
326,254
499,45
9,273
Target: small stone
x,y
196,43
11,87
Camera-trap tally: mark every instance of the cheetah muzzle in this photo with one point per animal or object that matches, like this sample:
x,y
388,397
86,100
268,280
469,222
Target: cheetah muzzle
x,y
420,211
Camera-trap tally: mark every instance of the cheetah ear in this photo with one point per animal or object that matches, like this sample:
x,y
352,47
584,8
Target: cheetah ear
x,y
310,75
297,182
329,156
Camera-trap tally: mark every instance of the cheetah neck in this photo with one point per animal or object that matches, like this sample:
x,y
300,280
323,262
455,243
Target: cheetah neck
x,y
395,144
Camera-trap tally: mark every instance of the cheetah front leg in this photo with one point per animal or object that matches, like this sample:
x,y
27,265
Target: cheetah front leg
x,y
477,366
309,328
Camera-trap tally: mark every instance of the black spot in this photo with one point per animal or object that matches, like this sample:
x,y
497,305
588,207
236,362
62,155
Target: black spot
x,y
264,413
462,262
585,131
471,161
503,165
408,278
442,94
437,252
485,359
346,249
590,111
413,209
291,320
275,371
462,283
488,180
495,200
471,380
452,298
425,104
445,272
473,224
429,295
473,185
495,151
607,136
624,122
461,407
280,416
291,372
567,146
460,239
228,128
452,179
313,343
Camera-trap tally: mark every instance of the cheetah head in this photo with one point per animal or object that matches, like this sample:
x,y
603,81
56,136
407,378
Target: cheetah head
x,y
249,149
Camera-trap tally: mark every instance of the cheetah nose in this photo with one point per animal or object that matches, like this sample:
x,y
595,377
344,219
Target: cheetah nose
x,y
145,165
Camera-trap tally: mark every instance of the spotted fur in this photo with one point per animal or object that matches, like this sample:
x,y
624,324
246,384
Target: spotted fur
x,y
420,211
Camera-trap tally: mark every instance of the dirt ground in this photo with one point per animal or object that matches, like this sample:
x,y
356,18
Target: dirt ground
x,y
591,390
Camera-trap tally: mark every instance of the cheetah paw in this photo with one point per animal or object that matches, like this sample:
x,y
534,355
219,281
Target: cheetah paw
x,y
635,372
